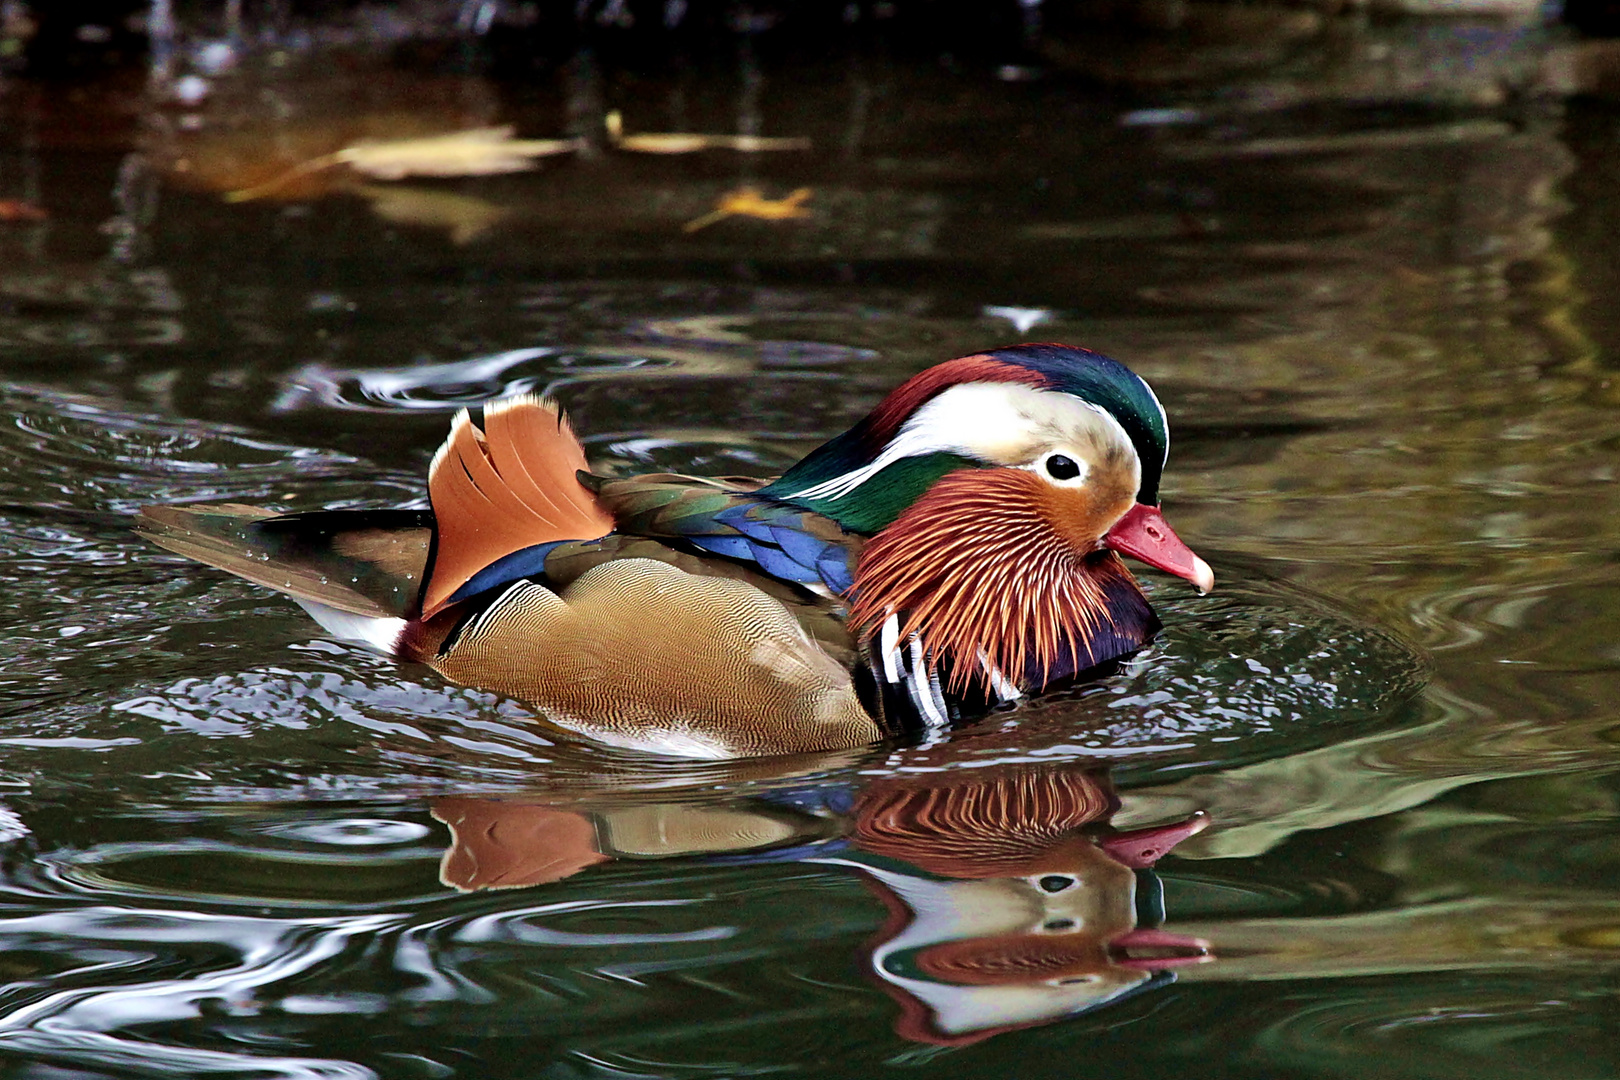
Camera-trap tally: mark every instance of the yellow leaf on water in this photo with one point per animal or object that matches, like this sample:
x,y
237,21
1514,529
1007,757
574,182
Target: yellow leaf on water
x,y
751,202
663,144
271,186
690,143
752,144
474,152
675,143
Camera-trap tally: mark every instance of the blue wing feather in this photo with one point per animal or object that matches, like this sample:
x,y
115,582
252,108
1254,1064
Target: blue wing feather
x,y
801,547
732,547
773,536
835,569
777,563
785,541
738,518
528,562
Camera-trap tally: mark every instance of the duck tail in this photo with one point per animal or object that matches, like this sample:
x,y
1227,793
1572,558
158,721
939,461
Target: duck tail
x,y
359,573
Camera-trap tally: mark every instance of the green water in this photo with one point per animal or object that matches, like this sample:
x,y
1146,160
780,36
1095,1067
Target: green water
x,y
1370,279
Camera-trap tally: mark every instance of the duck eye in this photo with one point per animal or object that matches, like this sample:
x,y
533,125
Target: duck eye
x,y
1059,467
1055,882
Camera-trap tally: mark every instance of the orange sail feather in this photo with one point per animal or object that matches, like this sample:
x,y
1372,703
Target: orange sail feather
x,y
507,487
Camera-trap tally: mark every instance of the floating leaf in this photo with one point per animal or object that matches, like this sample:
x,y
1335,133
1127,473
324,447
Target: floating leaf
x,y
478,152
690,143
750,202
474,152
676,143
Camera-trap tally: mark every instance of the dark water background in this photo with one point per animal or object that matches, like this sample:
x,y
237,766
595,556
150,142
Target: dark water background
x,y
1370,269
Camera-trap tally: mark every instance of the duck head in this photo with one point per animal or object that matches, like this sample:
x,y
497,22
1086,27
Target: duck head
x,y
998,491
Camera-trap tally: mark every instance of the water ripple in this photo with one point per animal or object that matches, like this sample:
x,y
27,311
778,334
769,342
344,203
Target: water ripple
x,y
350,832
77,1019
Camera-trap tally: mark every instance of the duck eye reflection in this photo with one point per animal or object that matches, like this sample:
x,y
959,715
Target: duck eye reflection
x,y
1057,925
1059,467
1055,882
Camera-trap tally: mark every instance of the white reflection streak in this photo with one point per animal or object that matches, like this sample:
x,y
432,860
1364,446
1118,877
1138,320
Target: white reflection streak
x,y
1024,319
394,385
73,1024
157,1059
510,925
414,954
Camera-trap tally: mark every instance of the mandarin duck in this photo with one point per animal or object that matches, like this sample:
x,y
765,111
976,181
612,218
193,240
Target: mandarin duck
x,y
956,550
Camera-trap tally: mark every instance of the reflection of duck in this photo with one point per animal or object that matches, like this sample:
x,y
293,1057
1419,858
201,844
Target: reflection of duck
x,y
1017,918
956,548
510,845
1002,912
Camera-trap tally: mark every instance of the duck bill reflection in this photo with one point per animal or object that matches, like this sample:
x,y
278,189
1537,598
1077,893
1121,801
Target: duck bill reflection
x,y
1011,902
1143,534
1149,949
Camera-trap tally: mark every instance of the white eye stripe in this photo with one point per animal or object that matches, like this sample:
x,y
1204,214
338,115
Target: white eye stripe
x,y
997,423
946,424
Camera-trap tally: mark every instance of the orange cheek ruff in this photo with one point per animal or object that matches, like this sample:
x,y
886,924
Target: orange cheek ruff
x,y
1080,517
992,564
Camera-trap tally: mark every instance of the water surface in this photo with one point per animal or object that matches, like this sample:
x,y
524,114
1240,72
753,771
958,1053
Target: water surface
x,y
1372,303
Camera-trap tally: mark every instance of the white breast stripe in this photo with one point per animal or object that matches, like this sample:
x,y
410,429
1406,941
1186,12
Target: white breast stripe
x,y
924,687
1004,689
889,648
514,591
937,695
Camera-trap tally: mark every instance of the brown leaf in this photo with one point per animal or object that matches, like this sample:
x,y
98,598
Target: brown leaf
x,y
18,210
